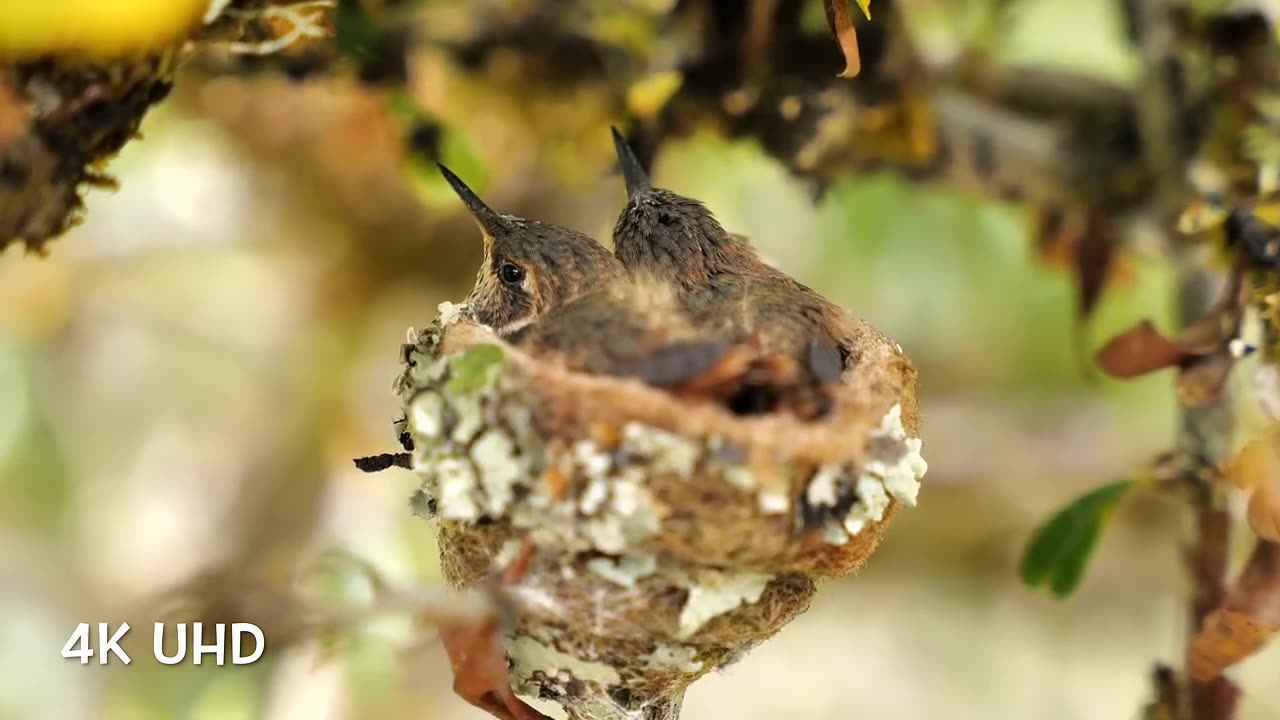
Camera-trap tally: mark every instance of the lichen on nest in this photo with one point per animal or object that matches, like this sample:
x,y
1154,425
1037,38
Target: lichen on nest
x,y
668,536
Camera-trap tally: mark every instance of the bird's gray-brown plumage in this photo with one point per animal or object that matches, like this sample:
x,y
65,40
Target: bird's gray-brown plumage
x,y
529,267
560,295
634,327
639,328
721,279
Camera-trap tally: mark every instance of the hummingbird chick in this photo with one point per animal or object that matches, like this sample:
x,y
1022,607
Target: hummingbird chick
x,y
638,328
529,267
561,296
722,280
635,327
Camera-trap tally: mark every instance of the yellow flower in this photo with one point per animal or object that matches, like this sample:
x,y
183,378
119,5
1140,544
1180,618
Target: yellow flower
x,y
96,28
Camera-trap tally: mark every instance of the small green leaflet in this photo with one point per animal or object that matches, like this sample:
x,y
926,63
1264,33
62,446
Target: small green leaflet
x,y
1060,549
474,369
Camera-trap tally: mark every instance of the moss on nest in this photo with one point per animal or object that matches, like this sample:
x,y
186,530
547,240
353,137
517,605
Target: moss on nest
x,y
668,536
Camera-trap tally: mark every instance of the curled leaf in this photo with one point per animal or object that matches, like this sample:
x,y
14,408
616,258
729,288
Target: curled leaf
x,y
1264,510
840,18
1204,352
1245,621
1256,469
1093,260
479,660
1225,638
1257,462
1060,550
1138,351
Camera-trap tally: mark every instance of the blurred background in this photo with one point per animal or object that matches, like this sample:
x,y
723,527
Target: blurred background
x,y
185,378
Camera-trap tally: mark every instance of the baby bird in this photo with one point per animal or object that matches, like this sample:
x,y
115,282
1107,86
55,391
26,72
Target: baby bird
x,y
529,267
635,327
722,280
557,293
561,296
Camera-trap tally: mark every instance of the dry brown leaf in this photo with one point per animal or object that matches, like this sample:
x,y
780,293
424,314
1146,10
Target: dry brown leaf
x,y
1225,638
1256,469
840,18
1138,351
1256,462
1245,622
1264,507
479,660
480,671
1093,260
1202,351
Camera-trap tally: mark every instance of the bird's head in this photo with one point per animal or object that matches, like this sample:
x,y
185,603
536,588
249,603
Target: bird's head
x,y
663,232
529,267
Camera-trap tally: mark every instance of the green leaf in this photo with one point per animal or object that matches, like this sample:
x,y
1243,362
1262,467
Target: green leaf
x,y
474,369
1060,549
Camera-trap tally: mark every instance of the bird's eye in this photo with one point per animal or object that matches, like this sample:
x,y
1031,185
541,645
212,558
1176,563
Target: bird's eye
x,y
665,219
511,274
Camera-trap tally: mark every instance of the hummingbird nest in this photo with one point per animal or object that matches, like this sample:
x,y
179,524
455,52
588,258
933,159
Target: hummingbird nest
x,y
665,537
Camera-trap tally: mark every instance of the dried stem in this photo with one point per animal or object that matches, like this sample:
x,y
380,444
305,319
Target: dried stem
x,y
1205,440
1206,432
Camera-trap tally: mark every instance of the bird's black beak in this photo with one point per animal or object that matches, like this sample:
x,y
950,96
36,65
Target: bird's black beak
x,y
489,220
637,179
